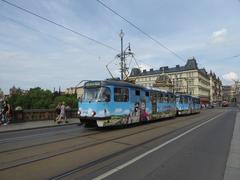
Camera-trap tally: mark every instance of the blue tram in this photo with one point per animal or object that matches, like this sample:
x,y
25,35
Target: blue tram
x,y
196,104
111,103
183,104
187,104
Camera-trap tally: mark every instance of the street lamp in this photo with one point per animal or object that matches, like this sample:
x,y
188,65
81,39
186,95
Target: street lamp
x,y
186,79
121,34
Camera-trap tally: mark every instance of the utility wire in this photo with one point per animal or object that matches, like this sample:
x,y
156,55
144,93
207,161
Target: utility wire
x,y
59,25
136,62
143,32
232,57
142,62
45,34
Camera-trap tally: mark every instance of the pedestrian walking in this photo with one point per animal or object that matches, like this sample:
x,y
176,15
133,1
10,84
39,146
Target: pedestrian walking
x,y
6,113
58,111
63,116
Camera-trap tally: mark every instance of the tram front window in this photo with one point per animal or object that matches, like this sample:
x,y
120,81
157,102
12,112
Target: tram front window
x,y
96,94
178,99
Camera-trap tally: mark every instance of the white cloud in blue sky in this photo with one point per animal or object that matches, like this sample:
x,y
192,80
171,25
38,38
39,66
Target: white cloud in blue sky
x,y
36,53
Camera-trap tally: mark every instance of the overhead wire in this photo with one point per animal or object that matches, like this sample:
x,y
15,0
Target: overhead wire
x,y
46,34
143,32
145,63
136,62
232,57
59,25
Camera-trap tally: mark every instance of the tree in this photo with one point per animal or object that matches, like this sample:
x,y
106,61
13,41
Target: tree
x,y
1,94
37,98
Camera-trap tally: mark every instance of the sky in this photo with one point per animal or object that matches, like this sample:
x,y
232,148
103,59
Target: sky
x,y
36,53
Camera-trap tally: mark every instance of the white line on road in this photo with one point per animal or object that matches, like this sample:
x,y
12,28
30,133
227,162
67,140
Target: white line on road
x,y
108,173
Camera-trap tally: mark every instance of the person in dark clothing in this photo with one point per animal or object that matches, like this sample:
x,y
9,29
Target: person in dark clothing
x,y
58,111
6,113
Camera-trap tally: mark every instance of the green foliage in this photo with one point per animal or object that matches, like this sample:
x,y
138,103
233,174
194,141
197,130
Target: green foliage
x,y
1,93
70,100
37,98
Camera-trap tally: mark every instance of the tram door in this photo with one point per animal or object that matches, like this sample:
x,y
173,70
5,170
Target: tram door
x,y
153,96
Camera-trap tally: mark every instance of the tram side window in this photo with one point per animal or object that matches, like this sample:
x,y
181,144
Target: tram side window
x,y
153,96
174,98
137,92
121,94
170,98
162,97
159,96
165,98
147,94
194,101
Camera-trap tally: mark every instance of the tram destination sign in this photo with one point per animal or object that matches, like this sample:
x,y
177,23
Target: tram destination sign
x,y
92,84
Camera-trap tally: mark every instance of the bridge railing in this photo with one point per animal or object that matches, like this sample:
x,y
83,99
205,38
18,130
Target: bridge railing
x,y
40,115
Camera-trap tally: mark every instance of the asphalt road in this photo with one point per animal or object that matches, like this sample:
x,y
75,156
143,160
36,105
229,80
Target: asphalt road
x,y
72,152
201,154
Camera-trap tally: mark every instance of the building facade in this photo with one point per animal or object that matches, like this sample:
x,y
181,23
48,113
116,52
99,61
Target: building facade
x,y
187,79
231,93
228,93
216,92
74,90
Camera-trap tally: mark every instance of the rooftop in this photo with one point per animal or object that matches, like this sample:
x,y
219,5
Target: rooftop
x,y
191,64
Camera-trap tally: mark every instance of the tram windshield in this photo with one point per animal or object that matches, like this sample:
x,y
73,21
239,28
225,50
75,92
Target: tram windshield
x,y
178,99
101,94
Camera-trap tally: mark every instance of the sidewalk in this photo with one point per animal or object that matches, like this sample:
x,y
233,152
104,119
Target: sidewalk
x,y
34,125
232,171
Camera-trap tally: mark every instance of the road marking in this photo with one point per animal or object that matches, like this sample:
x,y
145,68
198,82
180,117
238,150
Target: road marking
x,y
108,173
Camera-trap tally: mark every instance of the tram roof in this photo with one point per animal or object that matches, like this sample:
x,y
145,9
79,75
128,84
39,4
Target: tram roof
x,y
179,94
115,83
124,84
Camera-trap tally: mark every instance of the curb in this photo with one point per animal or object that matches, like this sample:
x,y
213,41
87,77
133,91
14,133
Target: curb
x,y
232,165
39,127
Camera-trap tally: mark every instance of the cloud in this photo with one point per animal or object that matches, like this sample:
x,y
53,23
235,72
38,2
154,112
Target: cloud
x,y
219,36
31,47
145,66
230,76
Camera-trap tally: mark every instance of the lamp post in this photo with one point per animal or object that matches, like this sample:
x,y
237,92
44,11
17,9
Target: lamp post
x,y
186,79
121,34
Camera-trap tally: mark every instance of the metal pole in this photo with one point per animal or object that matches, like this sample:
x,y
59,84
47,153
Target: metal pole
x,y
122,58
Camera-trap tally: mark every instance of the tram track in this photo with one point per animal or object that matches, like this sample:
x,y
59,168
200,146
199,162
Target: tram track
x,y
113,155
48,155
46,143
99,131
